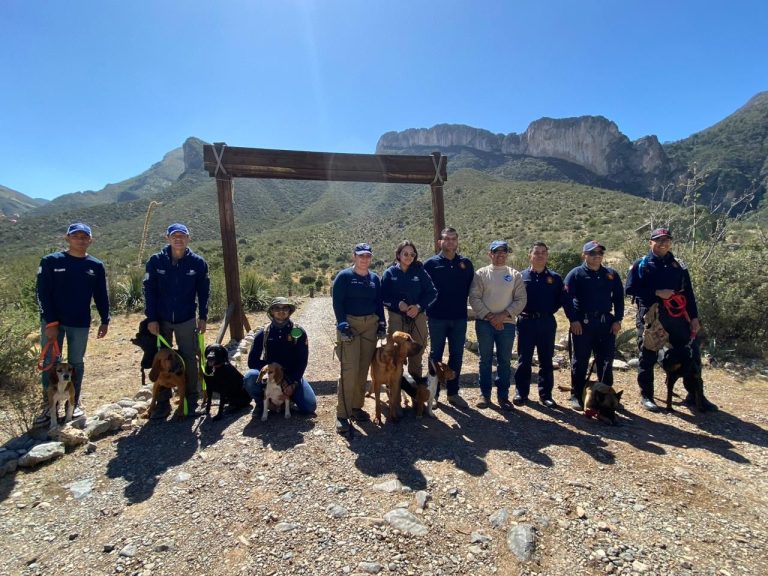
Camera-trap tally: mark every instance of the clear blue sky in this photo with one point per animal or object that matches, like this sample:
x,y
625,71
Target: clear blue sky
x,y
95,91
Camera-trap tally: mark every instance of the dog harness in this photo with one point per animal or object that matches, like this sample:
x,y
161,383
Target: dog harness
x,y
162,341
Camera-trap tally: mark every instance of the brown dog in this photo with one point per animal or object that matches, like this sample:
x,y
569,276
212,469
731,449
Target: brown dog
x,y
602,401
168,372
61,389
387,369
272,376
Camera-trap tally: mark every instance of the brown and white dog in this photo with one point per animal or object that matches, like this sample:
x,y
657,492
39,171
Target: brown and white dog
x,y
387,369
168,372
61,390
274,381
439,374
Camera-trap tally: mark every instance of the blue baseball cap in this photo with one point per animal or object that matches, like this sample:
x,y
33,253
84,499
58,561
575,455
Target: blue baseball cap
x,y
173,228
496,244
592,245
78,227
363,248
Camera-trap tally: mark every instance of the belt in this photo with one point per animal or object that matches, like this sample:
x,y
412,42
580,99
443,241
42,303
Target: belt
x,y
534,315
599,316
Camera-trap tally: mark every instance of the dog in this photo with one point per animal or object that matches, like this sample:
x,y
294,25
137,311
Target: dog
x,y
61,390
602,401
677,363
274,382
439,374
387,369
147,341
168,372
224,379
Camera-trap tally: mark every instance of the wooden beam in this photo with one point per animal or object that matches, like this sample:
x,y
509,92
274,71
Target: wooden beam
x,y
238,162
225,188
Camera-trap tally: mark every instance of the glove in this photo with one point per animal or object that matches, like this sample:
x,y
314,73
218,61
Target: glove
x,y
381,333
345,332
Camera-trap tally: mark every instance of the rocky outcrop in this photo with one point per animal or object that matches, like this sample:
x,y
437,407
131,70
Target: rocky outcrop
x,y
193,154
592,142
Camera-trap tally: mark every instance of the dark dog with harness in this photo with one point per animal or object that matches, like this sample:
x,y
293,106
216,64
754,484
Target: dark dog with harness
x,y
147,341
678,363
224,379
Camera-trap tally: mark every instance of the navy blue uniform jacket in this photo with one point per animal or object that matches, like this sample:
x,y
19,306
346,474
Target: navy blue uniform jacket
x,y
589,293
651,273
172,292
452,279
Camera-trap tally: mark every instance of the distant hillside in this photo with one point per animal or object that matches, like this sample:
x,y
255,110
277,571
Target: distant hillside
x,y
146,185
14,204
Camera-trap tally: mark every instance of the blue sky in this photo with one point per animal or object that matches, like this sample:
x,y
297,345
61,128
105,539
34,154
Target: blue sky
x,y
95,91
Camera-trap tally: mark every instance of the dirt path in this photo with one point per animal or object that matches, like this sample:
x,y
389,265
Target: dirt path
x,y
661,494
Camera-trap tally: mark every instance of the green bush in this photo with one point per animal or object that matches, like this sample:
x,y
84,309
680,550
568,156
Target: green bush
x,y
255,291
126,293
563,262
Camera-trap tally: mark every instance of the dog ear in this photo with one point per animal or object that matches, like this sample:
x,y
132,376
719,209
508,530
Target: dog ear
x,y
279,375
156,367
263,373
618,394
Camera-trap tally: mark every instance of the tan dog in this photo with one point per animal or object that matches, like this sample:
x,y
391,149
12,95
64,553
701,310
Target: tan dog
x,y
168,372
439,374
387,369
272,376
61,390
602,401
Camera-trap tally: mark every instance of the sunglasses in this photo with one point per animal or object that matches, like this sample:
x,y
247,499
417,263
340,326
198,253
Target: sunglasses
x,y
500,251
410,254
595,253
281,309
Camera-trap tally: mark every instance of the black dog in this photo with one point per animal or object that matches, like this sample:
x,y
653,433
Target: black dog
x,y
147,341
224,379
678,363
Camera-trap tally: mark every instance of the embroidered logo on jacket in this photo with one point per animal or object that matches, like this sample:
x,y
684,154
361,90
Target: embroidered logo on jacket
x,y
90,272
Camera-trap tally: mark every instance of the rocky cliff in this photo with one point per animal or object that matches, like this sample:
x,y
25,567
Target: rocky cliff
x,y
590,142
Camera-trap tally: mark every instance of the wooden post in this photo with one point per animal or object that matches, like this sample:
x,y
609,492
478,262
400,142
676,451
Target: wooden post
x,y
438,206
224,187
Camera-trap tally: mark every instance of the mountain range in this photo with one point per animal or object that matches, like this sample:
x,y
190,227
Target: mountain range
x,y
731,156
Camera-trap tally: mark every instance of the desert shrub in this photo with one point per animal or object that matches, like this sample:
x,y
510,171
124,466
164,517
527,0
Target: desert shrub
x,y
255,291
126,292
19,384
563,262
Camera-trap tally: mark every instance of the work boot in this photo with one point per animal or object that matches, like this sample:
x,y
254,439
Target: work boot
x,y
342,425
360,415
518,400
576,403
649,404
457,401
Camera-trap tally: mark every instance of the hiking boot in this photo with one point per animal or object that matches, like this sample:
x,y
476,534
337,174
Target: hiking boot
x,y
42,419
576,403
161,411
518,400
483,403
648,403
457,401
706,405
342,425
548,402
506,404
360,415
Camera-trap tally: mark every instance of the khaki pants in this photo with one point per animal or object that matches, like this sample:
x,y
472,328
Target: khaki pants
x,y
355,357
417,328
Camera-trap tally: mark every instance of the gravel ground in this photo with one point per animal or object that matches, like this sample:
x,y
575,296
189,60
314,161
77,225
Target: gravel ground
x,y
661,494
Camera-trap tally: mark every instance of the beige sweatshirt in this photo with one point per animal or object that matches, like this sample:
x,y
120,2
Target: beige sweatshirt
x,y
495,289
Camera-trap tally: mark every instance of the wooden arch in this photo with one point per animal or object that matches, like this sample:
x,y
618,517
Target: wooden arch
x,y
226,163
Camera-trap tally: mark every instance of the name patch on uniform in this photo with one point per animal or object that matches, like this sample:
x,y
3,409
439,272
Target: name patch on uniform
x,y
416,279
160,271
90,272
59,269
508,278
191,273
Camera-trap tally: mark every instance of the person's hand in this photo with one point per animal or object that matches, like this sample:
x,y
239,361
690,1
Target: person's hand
x,y
615,327
381,332
665,294
52,332
412,311
103,329
576,328
345,332
288,390
201,325
402,306
154,328
695,326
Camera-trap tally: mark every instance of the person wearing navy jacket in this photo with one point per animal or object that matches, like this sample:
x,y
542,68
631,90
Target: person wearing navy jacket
x,y
67,281
176,289
407,291
657,277
359,312
593,301
452,275
536,326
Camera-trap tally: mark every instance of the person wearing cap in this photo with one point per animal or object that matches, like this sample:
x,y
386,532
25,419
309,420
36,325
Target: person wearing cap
x,y
452,276
659,277
497,296
536,326
359,312
284,342
407,291
593,301
67,281
176,288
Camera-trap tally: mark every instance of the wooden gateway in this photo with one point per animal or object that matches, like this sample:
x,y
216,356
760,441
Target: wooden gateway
x,y
227,162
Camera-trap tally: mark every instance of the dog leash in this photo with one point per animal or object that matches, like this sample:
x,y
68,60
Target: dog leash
x,y
53,345
675,306
162,341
